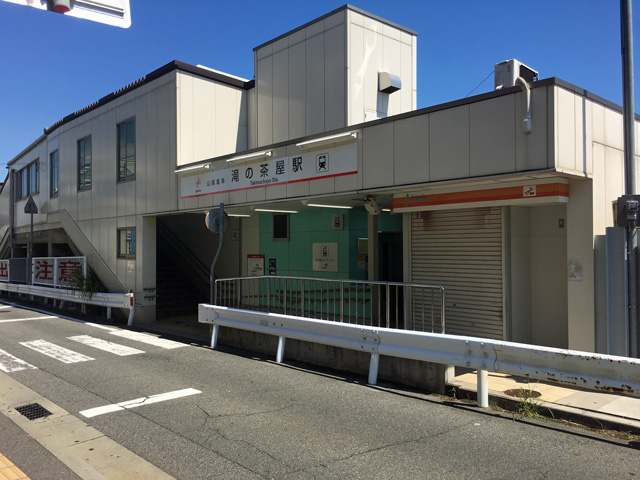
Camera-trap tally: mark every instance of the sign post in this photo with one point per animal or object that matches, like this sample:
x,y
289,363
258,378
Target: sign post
x,y
30,208
217,224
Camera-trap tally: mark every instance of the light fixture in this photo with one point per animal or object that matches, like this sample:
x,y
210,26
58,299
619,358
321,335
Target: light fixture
x,y
386,209
242,215
273,210
206,166
320,205
318,142
250,156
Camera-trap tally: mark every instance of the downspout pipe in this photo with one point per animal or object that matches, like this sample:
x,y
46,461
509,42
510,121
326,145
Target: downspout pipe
x,y
527,126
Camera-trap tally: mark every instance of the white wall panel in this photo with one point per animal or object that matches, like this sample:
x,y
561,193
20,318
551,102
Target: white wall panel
x,y
297,90
377,156
335,78
322,186
532,149
264,89
355,69
411,150
280,96
449,144
492,136
315,76
613,129
565,129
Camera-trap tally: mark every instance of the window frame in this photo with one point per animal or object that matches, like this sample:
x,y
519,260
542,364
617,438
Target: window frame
x,y
123,162
54,173
84,185
27,180
131,243
273,227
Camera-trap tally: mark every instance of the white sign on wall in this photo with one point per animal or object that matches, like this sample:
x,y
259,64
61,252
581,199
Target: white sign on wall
x,y
325,257
255,265
305,166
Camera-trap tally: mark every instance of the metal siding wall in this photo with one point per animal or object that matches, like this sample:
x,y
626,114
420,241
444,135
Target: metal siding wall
x,y
315,74
462,250
280,96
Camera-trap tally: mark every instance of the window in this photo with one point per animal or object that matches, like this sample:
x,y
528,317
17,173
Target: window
x,y
281,226
127,242
127,150
53,173
84,163
28,180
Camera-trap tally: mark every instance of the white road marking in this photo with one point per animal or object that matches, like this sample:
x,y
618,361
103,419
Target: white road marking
x,y
104,327
9,363
116,348
27,318
150,339
55,351
138,402
5,307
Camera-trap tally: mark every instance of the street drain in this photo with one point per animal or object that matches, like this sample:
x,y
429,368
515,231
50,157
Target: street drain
x,y
522,393
33,411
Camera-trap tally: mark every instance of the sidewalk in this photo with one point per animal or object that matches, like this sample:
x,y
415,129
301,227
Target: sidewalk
x,y
586,407
8,471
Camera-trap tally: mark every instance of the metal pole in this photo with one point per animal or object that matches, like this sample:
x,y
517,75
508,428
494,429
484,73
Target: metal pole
x,y
30,260
626,31
212,276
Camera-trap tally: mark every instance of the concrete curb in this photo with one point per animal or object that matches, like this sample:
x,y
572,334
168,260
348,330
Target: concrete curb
x,y
586,418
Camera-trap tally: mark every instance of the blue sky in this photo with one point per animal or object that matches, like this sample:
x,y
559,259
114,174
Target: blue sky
x,y
54,65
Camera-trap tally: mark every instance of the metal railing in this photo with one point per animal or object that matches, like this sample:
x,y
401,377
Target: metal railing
x,y
406,306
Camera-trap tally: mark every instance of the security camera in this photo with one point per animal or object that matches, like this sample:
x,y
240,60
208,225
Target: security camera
x,y
371,206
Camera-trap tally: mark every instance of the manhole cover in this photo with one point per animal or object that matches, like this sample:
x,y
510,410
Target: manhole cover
x,y
522,393
33,411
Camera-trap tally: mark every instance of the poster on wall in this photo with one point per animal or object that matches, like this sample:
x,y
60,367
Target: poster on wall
x,y
325,257
255,265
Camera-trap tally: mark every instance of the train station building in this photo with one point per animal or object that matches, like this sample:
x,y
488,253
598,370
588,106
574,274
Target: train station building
x,y
327,169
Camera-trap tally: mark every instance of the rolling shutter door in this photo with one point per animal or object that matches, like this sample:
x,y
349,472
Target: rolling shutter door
x,y
462,250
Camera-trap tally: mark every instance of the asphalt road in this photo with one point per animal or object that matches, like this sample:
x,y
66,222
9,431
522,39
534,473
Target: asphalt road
x,y
253,418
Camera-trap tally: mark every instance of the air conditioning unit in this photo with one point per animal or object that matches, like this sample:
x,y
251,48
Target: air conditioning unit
x,y
506,73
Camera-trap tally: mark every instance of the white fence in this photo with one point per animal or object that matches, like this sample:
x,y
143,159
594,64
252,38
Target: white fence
x,y
108,300
604,373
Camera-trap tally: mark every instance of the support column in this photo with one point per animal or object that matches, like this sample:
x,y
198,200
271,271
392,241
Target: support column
x,y
372,245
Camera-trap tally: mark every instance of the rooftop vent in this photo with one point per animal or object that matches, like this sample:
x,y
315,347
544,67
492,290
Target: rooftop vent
x,y
508,71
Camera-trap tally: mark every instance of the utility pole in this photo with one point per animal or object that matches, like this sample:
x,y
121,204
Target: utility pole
x,y
630,171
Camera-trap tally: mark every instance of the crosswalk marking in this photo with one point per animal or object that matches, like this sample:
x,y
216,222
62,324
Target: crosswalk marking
x,y
55,351
139,402
9,363
115,348
144,338
27,318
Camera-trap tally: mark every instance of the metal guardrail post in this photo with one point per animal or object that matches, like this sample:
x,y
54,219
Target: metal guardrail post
x,y
483,388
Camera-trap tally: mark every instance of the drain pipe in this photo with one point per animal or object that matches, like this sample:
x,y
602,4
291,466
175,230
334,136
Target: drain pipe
x,y
527,126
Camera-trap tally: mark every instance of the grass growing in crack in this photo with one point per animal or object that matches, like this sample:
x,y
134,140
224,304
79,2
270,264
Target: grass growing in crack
x,y
530,406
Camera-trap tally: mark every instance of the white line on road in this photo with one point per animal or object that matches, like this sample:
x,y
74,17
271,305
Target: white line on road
x,y
9,363
150,339
116,348
27,318
55,351
138,402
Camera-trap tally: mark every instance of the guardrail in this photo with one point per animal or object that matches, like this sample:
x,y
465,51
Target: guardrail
x,y
410,306
604,373
108,300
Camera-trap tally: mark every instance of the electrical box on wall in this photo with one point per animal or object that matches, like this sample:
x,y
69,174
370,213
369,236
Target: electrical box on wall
x,y
337,222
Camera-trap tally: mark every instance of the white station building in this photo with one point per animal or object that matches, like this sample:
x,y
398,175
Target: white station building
x,y
497,197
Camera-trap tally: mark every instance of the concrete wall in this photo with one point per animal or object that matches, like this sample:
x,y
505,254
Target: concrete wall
x,y
429,377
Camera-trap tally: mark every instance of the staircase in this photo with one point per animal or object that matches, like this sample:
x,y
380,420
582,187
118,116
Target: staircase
x,y
178,289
